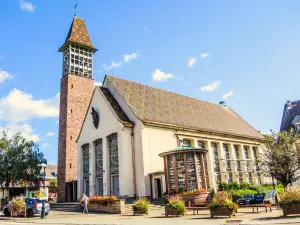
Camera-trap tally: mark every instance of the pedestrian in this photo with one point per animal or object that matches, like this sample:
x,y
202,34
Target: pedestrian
x,y
85,202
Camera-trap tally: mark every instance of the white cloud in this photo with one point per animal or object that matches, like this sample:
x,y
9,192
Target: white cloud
x,y
227,95
2,57
4,75
204,55
113,64
192,61
98,84
25,129
27,6
50,134
19,106
211,87
130,57
158,75
44,145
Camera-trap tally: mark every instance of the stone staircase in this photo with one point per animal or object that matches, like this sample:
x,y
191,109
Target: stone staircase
x,y
155,205
66,207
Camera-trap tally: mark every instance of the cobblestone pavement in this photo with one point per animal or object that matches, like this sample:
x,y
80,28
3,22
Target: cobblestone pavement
x,y
245,216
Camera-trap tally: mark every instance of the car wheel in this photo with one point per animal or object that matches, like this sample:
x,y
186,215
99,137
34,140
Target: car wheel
x,y
29,213
6,212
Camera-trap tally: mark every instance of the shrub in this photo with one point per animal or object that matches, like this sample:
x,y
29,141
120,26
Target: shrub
x,y
102,200
17,206
244,185
193,192
175,202
222,186
142,204
223,199
290,196
234,186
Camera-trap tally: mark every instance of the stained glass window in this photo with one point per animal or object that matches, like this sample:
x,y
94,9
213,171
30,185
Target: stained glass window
x,y
200,172
228,165
180,171
86,161
216,162
247,164
191,170
171,173
187,143
99,157
113,154
238,163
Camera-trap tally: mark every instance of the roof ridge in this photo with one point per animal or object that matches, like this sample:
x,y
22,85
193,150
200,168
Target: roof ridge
x,y
166,91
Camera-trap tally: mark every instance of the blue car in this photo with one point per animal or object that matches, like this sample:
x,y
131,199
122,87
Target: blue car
x,y
246,199
33,207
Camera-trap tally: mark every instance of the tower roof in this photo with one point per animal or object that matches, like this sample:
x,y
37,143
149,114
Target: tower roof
x,y
78,34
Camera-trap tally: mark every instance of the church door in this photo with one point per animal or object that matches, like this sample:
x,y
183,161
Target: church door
x,y
158,188
115,186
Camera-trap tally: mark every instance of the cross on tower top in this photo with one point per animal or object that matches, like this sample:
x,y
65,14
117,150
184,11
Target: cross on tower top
x,y
75,7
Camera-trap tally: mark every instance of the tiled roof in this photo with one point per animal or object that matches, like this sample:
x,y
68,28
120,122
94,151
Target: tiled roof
x,y
115,105
78,34
160,107
289,114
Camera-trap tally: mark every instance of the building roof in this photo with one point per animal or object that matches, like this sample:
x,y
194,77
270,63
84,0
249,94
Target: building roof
x,y
78,34
159,107
51,171
115,106
290,112
182,149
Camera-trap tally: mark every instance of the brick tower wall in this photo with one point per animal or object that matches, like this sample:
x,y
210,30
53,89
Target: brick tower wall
x,y
75,95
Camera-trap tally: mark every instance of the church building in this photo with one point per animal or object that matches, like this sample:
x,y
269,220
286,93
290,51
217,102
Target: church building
x,y
129,127
128,139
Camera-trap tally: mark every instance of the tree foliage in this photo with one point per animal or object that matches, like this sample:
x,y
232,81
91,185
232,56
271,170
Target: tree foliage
x,y
19,161
53,186
281,158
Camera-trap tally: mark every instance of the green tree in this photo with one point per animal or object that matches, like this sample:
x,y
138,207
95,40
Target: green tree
x,y
281,156
19,161
53,186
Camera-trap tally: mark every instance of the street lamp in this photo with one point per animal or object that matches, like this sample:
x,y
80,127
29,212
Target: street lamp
x,y
43,165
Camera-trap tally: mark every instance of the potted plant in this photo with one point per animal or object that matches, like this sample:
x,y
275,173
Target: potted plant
x,y
140,206
191,195
175,207
290,201
222,205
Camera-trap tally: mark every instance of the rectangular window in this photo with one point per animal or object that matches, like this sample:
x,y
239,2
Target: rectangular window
x,y
238,163
216,162
228,164
186,143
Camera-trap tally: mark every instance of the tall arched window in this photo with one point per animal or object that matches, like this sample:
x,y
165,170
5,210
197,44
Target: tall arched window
x,y
99,166
86,167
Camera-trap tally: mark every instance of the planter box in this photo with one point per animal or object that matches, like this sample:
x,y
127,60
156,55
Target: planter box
x,y
117,207
293,209
222,212
201,199
171,212
139,212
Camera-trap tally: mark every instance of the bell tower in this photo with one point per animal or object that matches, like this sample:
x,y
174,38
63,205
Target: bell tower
x,y
76,89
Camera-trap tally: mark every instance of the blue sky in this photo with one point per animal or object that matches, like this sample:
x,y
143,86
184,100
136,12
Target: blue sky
x,y
245,52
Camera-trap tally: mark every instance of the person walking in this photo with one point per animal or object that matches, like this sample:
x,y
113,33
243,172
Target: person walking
x,y
85,202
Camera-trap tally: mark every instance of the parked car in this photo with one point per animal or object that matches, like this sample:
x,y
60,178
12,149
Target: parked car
x,y
33,205
246,199
258,199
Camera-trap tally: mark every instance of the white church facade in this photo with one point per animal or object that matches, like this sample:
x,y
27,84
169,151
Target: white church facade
x,y
128,125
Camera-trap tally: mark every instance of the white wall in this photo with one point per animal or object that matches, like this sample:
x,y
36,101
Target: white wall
x,y
108,125
155,141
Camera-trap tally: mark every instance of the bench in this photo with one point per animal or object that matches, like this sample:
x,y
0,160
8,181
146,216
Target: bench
x,y
253,206
199,203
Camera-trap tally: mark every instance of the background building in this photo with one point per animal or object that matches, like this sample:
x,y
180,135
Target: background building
x,y
291,116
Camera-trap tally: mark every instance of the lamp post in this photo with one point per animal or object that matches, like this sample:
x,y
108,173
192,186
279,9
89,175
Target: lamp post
x,y
44,166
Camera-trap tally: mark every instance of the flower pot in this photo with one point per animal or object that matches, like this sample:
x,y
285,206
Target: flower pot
x,y
222,211
291,209
171,212
139,211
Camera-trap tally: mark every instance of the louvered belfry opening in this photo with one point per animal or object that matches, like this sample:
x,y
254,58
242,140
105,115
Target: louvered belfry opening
x,y
185,169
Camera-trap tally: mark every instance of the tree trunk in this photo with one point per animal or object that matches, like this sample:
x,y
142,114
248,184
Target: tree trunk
x,y
273,182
